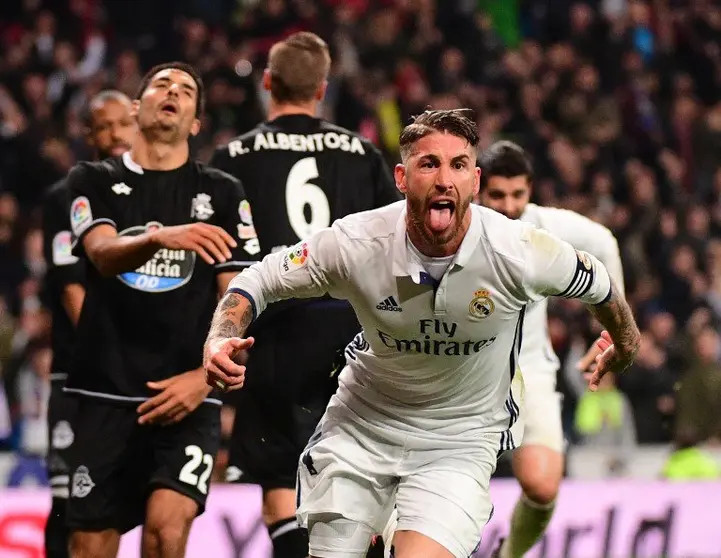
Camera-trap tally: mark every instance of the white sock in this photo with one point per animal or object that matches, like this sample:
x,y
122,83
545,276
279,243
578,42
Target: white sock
x,y
388,532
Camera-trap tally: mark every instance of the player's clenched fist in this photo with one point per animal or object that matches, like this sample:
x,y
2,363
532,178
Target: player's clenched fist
x,y
610,359
221,369
210,242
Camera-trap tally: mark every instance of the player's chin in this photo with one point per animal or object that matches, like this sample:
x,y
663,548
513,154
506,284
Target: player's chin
x,y
441,235
118,150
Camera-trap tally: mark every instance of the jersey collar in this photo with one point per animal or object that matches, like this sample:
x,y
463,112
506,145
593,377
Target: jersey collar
x,y
404,265
131,165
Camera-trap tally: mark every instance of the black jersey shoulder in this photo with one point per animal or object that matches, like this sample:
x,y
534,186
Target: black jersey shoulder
x,y
95,173
109,171
109,167
216,177
57,193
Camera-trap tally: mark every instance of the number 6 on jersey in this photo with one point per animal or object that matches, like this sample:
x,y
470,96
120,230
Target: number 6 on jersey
x,y
299,192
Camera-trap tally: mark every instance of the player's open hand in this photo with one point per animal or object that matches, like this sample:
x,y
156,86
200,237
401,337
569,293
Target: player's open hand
x,y
211,243
179,396
222,370
610,360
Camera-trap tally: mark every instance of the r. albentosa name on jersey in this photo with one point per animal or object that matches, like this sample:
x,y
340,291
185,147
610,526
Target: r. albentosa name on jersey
x,y
311,143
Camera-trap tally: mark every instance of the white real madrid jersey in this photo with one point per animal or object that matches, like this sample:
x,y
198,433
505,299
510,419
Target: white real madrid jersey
x,y
434,356
538,361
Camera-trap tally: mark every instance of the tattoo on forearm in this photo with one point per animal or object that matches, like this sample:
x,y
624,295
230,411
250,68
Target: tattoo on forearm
x,y
615,315
227,329
229,320
229,301
245,319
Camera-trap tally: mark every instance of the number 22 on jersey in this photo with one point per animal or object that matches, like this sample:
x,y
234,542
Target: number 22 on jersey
x,y
189,472
301,192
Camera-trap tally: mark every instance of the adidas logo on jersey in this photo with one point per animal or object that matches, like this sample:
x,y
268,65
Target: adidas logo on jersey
x,y
389,304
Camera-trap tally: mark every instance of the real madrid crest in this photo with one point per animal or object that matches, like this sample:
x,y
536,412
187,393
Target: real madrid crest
x,y
201,207
481,306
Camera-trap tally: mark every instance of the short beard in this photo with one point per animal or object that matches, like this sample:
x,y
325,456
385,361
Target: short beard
x,y
108,154
417,216
162,133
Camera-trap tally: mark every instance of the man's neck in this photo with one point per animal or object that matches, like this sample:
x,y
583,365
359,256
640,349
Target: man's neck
x,y
159,156
276,110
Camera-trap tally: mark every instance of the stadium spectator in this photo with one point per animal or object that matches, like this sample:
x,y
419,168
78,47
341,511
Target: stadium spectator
x,y
699,397
604,419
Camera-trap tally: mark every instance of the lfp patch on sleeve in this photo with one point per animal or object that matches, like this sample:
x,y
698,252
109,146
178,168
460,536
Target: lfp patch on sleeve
x,y
584,259
246,216
295,258
63,249
80,215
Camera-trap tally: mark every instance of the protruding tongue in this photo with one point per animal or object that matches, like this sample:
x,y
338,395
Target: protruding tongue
x,y
440,218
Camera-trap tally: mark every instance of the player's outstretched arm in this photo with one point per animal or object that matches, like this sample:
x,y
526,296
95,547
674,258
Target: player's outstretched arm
x,y
310,269
232,317
587,235
225,342
554,268
621,330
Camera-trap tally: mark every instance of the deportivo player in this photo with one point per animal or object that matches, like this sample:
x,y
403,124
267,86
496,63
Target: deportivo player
x,y
506,180
424,404
110,128
300,173
159,231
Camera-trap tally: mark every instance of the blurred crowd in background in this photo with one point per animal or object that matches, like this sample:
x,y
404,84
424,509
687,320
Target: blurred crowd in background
x,y
617,101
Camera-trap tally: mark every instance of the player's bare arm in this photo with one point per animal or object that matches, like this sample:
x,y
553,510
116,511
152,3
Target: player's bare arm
x,y
306,270
72,299
616,317
234,314
113,254
230,322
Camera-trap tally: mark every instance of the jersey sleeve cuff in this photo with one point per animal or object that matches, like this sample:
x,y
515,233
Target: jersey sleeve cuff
x,y
607,297
232,266
102,221
247,295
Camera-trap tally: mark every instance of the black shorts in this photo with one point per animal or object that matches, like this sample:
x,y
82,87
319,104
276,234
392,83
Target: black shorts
x,y
62,409
117,463
292,372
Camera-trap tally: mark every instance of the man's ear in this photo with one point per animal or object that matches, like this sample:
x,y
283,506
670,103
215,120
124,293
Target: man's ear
x,y
399,173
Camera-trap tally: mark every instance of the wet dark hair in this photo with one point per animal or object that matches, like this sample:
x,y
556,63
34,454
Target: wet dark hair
x,y
183,67
505,159
456,122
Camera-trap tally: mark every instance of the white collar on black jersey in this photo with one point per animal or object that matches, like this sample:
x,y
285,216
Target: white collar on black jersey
x,y
404,265
130,164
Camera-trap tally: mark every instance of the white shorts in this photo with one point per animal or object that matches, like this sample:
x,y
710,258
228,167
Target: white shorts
x,y
353,471
541,412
